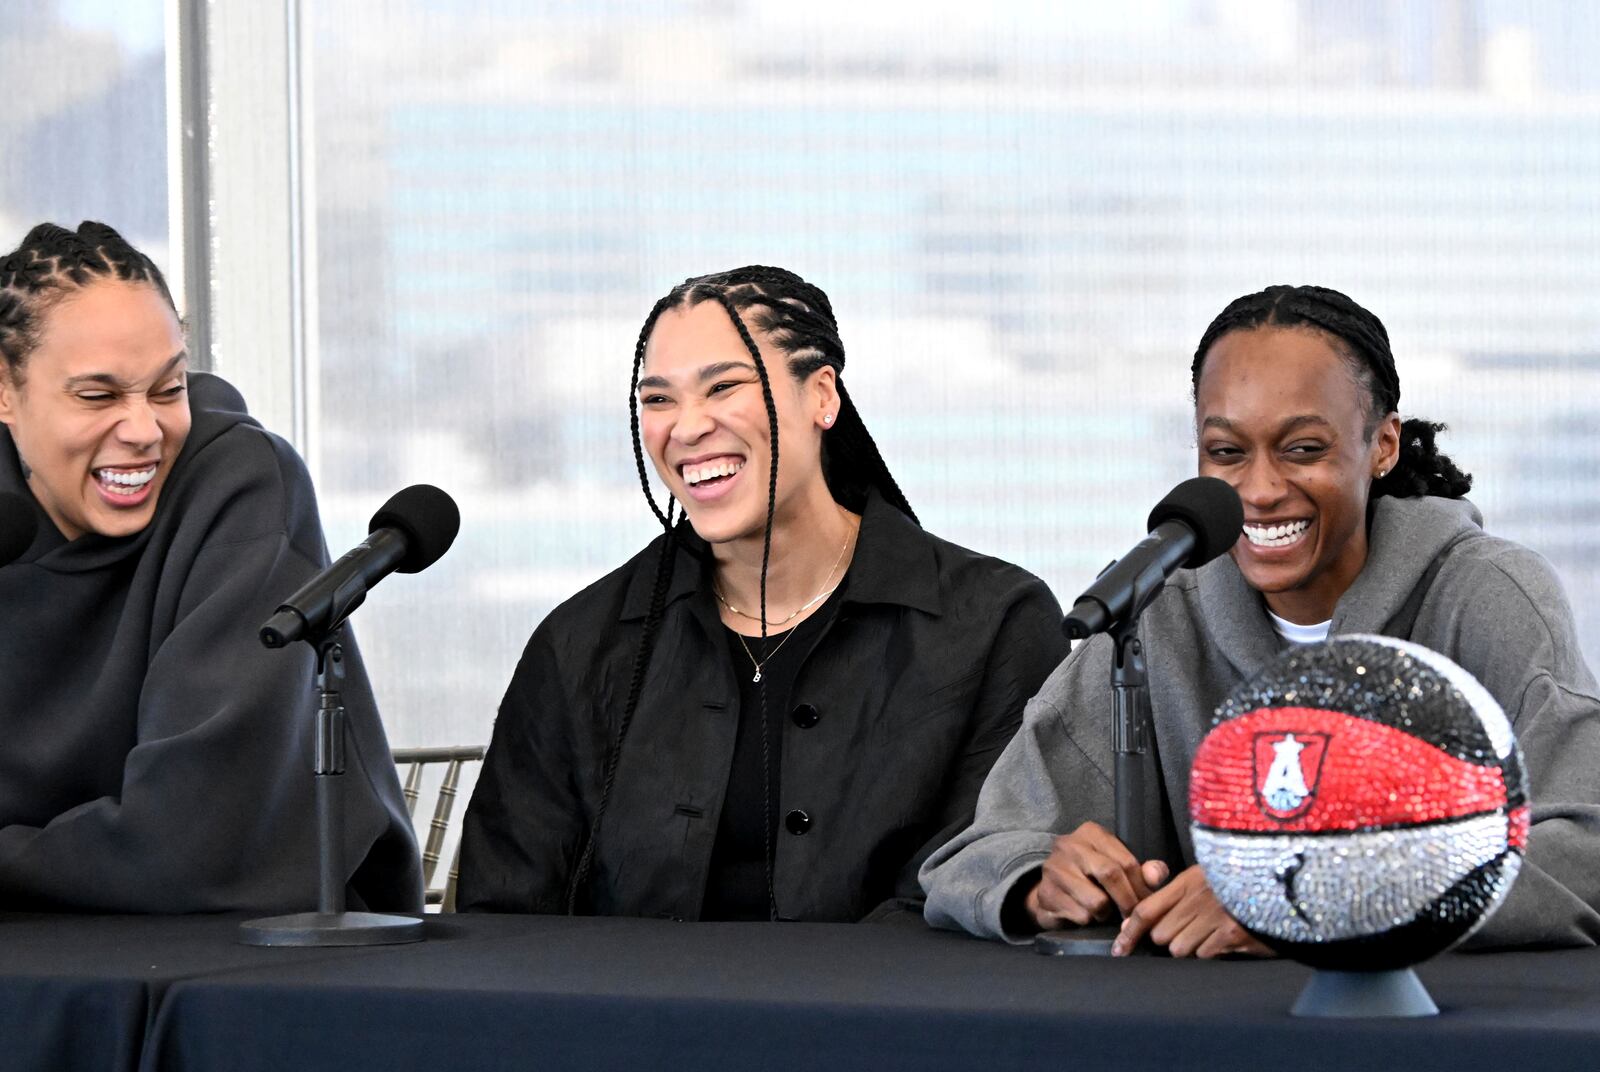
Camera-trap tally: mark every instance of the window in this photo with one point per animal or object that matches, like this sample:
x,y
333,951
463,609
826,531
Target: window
x,y
83,134
1024,219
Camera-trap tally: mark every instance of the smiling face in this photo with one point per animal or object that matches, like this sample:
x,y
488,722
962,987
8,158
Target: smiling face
x,y
1280,416
101,410
704,424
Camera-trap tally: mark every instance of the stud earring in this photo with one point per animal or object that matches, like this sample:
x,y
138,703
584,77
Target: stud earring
x,y
1382,473
828,420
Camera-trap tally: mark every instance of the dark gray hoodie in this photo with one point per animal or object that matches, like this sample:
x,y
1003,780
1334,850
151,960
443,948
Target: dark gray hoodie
x,y
154,757
1432,576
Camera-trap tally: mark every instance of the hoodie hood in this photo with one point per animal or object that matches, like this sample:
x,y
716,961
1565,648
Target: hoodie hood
x,y
215,407
1406,537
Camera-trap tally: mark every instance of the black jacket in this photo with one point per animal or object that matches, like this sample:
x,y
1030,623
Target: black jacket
x,y
156,757
918,683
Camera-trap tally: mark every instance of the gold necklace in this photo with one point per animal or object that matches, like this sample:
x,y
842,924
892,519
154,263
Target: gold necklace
x,y
825,593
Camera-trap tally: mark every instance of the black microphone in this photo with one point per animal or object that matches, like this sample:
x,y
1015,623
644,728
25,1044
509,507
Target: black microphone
x,y
1197,521
408,534
18,526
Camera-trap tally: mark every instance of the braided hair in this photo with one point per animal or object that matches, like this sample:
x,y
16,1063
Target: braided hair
x,y
50,264
796,318
1361,340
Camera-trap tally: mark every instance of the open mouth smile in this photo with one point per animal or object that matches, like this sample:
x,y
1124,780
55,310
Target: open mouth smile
x,y
709,477
125,485
1285,534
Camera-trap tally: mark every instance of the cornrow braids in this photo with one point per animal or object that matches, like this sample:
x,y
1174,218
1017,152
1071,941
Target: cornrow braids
x,y
52,262
1362,341
797,318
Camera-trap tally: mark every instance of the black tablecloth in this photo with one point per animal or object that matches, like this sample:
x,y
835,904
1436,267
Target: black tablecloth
x,y
542,992
80,992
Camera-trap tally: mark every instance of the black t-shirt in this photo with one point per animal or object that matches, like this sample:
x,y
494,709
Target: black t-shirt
x,y
736,885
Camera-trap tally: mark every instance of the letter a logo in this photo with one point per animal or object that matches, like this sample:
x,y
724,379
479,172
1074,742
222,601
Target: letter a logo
x,y
1287,767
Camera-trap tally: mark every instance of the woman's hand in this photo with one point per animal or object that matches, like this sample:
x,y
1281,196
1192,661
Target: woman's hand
x,y
1187,919
1088,874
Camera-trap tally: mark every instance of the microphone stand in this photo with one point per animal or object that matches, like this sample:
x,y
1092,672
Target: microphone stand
x,y
1130,733
1130,745
330,924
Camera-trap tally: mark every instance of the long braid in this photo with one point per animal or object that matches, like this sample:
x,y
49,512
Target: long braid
x,y
633,412
766,562
1363,342
50,263
652,620
850,425
641,662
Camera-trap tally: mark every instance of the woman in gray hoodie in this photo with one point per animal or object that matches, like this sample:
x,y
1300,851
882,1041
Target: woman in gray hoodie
x,y
1354,523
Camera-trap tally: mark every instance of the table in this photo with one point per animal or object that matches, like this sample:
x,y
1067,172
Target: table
x,y
553,993
81,991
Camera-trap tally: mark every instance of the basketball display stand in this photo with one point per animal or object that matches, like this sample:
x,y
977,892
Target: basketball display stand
x,y
330,924
1375,994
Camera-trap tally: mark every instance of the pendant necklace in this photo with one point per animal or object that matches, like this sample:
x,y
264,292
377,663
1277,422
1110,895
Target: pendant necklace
x,y
768,658
825,593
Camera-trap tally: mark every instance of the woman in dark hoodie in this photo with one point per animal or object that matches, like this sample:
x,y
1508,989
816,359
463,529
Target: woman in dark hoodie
x,y
1354,522
157,757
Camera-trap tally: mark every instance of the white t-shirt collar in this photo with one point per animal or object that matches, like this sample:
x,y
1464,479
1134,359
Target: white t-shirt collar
x,y
1300,634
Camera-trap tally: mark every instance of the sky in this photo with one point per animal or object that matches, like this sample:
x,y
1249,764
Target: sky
x,y
138,24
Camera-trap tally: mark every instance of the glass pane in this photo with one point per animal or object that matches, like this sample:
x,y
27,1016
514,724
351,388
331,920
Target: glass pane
x,y
1025,215
83,133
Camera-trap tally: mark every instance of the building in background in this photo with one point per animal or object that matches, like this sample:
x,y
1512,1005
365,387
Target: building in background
x,y
1025,214
83,129
1024,219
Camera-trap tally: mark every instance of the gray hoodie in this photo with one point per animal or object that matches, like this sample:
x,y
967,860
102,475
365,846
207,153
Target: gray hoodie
x,y
1432,576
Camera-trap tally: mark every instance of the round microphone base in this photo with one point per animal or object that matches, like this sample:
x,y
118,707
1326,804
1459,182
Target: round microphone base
x,y
331,929
1078,942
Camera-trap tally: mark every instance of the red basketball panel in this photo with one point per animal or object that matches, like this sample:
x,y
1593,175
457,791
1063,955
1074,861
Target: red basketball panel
x,y
1517,829
1285,769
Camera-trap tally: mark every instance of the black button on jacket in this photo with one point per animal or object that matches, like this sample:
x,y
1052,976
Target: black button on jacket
x,y
922,677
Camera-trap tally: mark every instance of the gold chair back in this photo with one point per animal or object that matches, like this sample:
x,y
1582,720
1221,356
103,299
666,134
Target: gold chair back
x,y
411,762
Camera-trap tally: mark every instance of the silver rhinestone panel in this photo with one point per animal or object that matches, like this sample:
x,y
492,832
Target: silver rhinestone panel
x,y
1300,888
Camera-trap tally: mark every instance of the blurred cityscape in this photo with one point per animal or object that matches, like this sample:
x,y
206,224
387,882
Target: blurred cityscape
x,y
1025,214
83,129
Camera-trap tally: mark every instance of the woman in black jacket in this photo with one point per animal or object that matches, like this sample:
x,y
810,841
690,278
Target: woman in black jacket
x,y
785,702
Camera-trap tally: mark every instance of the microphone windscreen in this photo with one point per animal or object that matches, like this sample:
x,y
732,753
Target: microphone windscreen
x,y
428,518
1208,506
18,526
